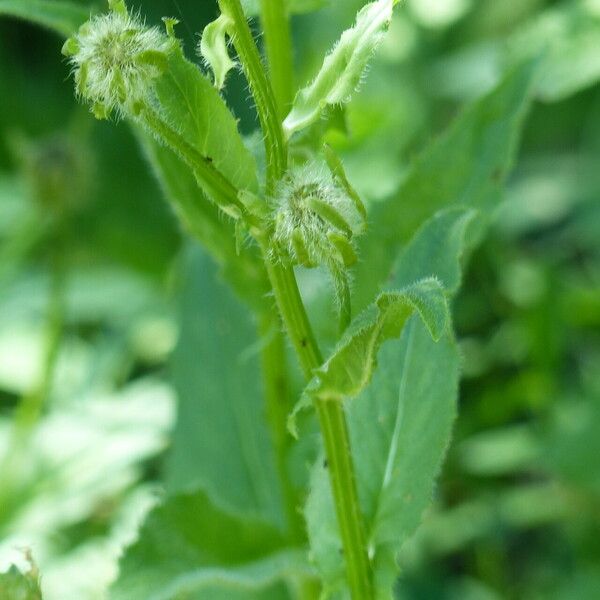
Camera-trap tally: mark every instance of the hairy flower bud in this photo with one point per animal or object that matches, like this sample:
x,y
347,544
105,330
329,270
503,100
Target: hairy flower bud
x,y
115,58
316,219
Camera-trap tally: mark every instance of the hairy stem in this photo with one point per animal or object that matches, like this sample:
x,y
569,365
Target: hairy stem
x,y
262,92
333,426
278,48
283,281
218,188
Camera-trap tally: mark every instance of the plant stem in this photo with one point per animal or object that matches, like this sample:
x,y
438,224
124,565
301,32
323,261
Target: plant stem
x,y
333,426
278,48
262,92
213,182
277,408
283,281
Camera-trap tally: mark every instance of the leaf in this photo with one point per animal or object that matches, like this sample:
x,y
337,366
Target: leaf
x,y
400,423
189,548
427,255
63,17
466,166
412,408
349,368
214,51
569,37
202,219
221,443
193,106
342,68
352,363
15,585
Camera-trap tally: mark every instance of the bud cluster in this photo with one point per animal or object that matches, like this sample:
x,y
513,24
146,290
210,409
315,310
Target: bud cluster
x,y
115,58
316,219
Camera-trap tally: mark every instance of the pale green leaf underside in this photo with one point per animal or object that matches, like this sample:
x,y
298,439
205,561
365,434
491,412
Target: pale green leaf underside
x,y
214,51
192,105
400,426
190,548
62,17
342,68
220,443
466,167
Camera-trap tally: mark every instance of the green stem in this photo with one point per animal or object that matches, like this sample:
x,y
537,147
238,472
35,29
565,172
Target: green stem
x,y
262,92
278,48
283,281
278,407
213,182
32,404
333,426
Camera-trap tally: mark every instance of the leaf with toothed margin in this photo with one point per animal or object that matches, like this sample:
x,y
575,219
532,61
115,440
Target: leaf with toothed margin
x,y
62,17
466,166
351,366
400,423
342,68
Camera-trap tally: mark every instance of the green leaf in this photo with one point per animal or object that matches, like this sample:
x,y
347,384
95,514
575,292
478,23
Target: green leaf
x,y
193,106
342,68
63,17
15,585
189,548
221,443
203,220
351,365
569,37
436,249
400,424
467,166
400,428
214,51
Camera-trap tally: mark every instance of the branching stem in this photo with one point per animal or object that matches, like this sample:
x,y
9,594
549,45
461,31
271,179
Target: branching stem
x,y
262,92
291,308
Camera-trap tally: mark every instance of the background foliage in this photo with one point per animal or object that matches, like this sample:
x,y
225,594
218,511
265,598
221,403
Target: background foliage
x,y
515,512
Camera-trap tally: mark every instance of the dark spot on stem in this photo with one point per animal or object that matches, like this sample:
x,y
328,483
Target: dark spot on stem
x,y
325,463
303,342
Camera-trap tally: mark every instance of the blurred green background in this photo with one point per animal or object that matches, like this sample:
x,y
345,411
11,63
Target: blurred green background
x,y
89,301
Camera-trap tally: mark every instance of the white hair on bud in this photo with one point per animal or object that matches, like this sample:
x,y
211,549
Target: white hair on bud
x,y
297,221
115,58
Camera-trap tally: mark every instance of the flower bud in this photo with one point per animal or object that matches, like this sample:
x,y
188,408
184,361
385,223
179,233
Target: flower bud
x,y
115,58
315,219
